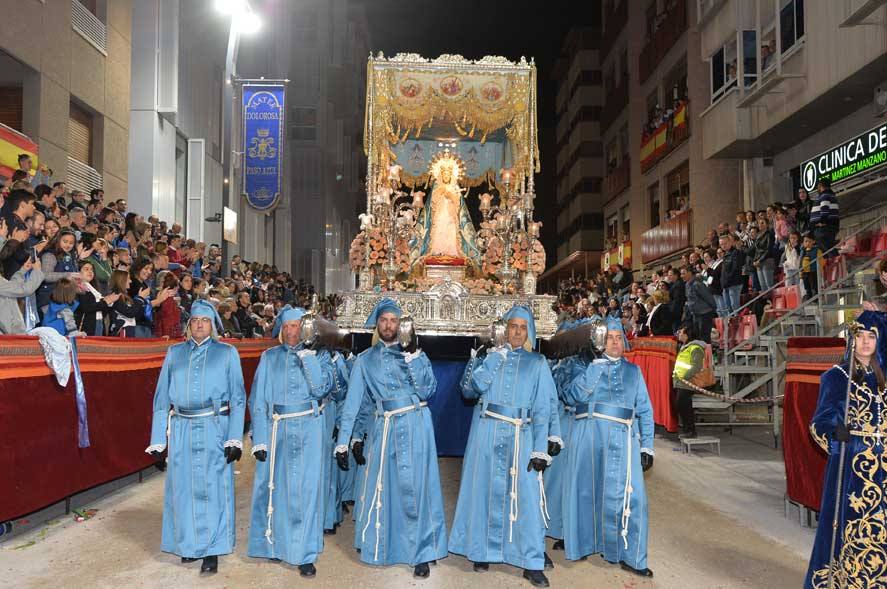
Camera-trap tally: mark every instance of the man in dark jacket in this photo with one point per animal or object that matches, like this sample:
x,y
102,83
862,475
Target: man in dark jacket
x,y
678,295
731,273
825,218
249,327
804,205
701,305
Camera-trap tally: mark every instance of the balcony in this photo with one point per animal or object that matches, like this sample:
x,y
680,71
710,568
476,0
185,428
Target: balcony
x,y
614,22
669,238
615,102
617,180
88,26
663,39
665,139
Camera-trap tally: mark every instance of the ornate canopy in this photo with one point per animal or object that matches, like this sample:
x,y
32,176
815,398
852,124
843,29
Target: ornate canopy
x,y
486,107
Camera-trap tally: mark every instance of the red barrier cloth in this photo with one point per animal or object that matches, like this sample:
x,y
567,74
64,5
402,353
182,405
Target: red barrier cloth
x,y
808,358
39,457
655,357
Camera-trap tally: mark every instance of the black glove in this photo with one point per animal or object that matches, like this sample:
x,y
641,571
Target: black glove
x,y
260,455
553,448
342,459
357,450
233,453
482,351
841,434
537,464
335,433
646,461
159,460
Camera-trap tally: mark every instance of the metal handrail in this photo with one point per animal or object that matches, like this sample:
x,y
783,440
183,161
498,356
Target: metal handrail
x,y
880,219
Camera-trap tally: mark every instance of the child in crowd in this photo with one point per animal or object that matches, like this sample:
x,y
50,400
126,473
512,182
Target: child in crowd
x,y
62,304
809,260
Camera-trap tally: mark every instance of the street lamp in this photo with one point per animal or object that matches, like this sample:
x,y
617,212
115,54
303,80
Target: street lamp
x,y
243,20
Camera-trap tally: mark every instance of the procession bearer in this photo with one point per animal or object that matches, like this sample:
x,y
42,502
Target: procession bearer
x,y
611,445
402,516
500,515
199,407
287,410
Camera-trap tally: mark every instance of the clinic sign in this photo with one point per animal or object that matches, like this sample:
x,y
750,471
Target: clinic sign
x,y
848,160
263,134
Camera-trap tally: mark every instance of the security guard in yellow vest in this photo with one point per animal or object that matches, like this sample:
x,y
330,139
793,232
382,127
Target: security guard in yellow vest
x,y
690,361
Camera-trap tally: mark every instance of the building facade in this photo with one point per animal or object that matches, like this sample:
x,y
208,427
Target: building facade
x,y
321,46
65,84
661,194
814,77
579,153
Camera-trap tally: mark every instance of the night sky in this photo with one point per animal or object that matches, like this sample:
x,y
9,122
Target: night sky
x,y
475,28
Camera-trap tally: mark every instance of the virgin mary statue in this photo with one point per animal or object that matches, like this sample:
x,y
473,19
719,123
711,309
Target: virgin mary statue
x,y
446,233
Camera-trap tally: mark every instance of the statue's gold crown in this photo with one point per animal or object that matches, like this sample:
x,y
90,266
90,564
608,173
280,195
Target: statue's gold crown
x,y
446,160
263,132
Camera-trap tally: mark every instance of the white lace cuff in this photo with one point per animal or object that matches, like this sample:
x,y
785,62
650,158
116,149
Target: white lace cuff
x,y
354,441
648,451
340,449
410,357
155,448
557,440
233,444
260,448
541,455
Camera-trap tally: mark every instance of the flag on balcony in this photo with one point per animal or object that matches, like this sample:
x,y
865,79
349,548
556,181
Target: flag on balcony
x,y
12,144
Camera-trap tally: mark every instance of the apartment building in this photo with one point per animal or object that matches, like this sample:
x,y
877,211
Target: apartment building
x,y
798,91
65,87
579,152
661,194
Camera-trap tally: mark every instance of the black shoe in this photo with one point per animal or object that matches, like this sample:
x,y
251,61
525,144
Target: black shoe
x,y
210,565
481,567
421,571
642,573
548,564
330,532
687,435
558,545
536,578
186,560
307,570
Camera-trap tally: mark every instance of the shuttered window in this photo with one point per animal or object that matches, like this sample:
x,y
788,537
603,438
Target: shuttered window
x,y
11,107
80,135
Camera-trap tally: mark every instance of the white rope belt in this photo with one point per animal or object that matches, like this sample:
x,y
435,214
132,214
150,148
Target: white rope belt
x,y
276,418
208,413
376,503
513,504
626,495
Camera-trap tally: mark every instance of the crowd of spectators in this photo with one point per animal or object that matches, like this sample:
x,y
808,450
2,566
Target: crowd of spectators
x,y
659,116
734,263
86,266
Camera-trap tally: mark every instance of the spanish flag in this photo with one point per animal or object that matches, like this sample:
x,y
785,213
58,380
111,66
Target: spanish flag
x,y
13,144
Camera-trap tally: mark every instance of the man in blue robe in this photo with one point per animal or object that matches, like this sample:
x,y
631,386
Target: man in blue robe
x,y
199,408
500,515
402,517
345,478
611,446
287,409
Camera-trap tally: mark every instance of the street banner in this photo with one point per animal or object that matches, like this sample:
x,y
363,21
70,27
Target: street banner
x,y
263,135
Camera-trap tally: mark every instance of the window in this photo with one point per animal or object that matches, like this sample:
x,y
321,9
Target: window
x,y
791,23
653,198
723,70
612,227
612,155
749,57
305,27
626,222
80,135
303,123
676,83
623,140
11,107
678,187
652,104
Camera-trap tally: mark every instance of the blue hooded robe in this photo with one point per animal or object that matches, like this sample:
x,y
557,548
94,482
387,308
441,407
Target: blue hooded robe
x,y
204,385
605,508
489,525
401,519
860,544
292,382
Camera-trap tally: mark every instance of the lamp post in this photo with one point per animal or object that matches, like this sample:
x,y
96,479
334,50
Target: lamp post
x,y
243,20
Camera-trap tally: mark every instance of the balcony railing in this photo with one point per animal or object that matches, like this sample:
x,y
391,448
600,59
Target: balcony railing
x,y
669,237
665,138
614,22
89,26
616,102
663,39
82,177
618,179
